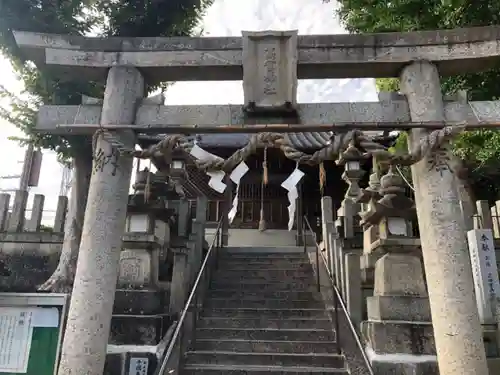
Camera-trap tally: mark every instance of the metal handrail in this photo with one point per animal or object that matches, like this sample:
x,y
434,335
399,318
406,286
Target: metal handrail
x,y
337,299
171,347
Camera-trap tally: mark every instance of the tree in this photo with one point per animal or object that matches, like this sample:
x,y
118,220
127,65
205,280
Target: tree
x,y
480,150
130,18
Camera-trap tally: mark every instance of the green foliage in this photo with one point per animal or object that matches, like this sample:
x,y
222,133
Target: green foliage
x,y
46,229
152,18
131,18
480,150
387,84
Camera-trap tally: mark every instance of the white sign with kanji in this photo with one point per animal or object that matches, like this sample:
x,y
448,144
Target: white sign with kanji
x,y
485,273
138,366
16,332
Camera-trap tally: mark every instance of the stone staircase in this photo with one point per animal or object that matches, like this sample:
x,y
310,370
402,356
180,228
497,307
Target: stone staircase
x,y
263,315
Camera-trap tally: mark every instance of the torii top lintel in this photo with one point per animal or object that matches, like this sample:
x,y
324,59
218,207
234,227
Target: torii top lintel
x,y
221,58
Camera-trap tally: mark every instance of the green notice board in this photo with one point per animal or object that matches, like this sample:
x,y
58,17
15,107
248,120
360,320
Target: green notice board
x,y
30,332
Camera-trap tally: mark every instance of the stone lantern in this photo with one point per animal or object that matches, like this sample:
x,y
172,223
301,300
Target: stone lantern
x,y
146,237
176,177
178,168
350,159
149,186
372,192
398,312
367,199
391,214
345,236
386,223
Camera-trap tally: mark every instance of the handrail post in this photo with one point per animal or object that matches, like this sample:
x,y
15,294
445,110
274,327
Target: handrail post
x,y
183,333
339,302
318,284
337,324
174,360
186,332
304,237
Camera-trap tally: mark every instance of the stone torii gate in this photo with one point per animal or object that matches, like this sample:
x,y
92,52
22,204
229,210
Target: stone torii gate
x,y
269,64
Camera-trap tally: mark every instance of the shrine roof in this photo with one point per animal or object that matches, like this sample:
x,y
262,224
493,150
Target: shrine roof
x,y
309,140
301,141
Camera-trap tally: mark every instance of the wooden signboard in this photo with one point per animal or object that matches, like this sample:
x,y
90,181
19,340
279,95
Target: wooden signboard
x,y
31,326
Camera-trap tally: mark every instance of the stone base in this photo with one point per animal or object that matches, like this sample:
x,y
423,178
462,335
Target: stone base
x,y
138,329
402,245
119,363
138,268
354,243
490,333
367,276
392,368
399,275
494,365
24,272
399,308
399,337
367,264
141,302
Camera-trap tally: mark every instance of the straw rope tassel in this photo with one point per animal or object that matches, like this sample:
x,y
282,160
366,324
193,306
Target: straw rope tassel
x,y
322,177
265,181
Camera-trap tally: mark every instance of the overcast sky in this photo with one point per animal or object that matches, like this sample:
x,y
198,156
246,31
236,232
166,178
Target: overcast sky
x,y
224,18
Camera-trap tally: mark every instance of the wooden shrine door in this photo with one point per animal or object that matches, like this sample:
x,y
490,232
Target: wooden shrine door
x,y
275,205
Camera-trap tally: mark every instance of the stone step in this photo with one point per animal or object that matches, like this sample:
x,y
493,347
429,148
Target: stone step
x,y
199,369
263,257
265,359
253,285
264,273
256,265
266,334
250,313
262,250
266,346
263,323
242,256
269,303
264,294
268,278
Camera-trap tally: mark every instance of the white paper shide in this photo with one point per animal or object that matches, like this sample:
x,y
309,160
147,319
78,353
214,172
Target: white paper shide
x,y
216,177
485,273
290,184
236,176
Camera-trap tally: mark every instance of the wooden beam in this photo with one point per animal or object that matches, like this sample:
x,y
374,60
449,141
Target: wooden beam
x,y
281,128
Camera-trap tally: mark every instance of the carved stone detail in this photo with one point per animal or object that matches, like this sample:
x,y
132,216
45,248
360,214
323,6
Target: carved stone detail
x,y
270,70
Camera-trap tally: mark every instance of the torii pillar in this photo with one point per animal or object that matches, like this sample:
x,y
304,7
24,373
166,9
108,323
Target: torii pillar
x,y
89,318
457,330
